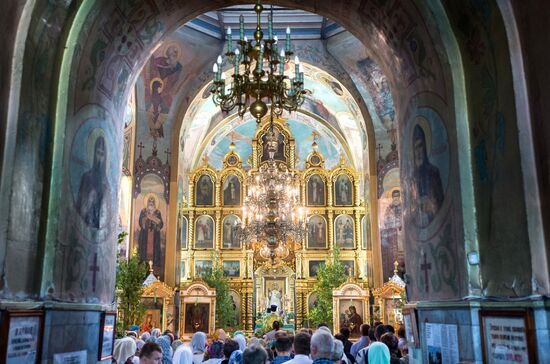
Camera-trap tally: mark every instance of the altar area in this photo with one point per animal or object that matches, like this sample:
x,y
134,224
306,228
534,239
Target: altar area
x,y
335,216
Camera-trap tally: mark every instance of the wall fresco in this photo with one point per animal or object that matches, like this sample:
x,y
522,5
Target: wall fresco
x,y
151,222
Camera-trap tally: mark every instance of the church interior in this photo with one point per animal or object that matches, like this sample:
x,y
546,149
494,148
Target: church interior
x,y
258,145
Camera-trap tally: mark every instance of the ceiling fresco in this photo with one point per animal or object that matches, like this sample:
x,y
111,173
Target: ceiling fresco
x,y
329,100
241,132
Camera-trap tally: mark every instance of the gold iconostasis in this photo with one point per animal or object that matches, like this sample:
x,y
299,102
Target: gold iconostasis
x,y
336,216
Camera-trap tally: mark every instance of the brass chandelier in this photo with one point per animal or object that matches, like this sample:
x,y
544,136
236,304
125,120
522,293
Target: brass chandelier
x,y
273,218
259,73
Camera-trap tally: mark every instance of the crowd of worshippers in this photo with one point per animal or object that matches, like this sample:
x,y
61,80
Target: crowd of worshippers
x,y
377,345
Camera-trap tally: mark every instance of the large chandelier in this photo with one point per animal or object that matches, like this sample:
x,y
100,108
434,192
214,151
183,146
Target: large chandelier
x,y
259,74
273,217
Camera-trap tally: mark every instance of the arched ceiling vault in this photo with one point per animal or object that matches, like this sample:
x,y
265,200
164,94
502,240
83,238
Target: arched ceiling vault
x,y
329,101
378,35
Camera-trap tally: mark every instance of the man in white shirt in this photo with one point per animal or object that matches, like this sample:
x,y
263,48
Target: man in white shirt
x,y
301,348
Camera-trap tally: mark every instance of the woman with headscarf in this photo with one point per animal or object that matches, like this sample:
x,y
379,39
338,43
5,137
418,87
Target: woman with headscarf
x,y
183,355
215,353
241,340
124,350
164,342
155,333
222,335
145,336
198,346
378,353
236,357
176,344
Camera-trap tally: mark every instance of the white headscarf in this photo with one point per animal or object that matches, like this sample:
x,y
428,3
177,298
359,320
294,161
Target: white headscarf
x,y
378,353
155,333
241,340
124,348
198,342
183,355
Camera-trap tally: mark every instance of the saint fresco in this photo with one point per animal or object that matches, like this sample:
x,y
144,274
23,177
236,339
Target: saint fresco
x,y
426,187
343,191
391,234
315,191
317,232
150,224
94,194
204,232
344,232
231,191
204,191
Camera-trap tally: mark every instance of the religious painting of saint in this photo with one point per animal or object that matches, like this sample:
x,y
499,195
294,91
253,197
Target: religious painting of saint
x,y
426,187
204,232
230,239
202,267
150,224
231,191
391,233
275,292
350,314
151,320
344,235
279,154
343,191
197,317
314,266
153,314
162,78
204,191
349,267
317,232
93,201
315,191
311,301
231,268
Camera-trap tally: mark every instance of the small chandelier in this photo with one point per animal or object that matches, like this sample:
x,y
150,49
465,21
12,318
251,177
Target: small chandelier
x,y
262,63
273,217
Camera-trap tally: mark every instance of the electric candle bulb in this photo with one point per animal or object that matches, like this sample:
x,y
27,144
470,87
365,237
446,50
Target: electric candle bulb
x,y
276,39
228,30
287,30
219,60
215,68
